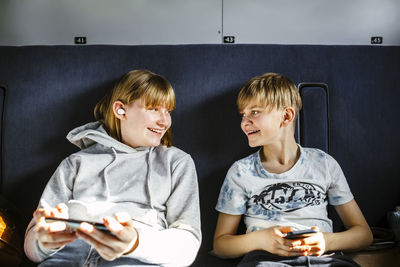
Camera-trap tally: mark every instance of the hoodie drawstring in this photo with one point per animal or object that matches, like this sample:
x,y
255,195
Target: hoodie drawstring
x,y
148,179
107,191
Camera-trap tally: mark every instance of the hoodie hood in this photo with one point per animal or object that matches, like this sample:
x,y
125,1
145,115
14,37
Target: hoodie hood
x,y
94,133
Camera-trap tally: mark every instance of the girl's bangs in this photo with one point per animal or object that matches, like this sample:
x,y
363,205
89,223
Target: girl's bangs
x,y
157,97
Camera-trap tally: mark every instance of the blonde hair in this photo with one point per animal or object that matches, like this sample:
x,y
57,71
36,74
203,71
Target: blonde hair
x,y
152,89
270,90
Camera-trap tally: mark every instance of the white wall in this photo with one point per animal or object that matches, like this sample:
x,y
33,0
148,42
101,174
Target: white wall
x,y
312,21
34,22
131,22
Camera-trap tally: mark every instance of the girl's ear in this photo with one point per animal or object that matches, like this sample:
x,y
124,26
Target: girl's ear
x,y
288,116
119,110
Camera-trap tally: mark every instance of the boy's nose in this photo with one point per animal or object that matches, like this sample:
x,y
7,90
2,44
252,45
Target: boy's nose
x,y
246,120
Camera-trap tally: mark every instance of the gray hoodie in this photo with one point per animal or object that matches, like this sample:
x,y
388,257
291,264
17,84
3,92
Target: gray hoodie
x,y
157,186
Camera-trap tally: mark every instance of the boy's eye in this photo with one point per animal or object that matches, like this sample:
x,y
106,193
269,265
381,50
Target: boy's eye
x,y
251,114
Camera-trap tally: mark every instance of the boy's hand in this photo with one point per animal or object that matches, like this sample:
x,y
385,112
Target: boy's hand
x,y
52,235
313,245
124,241
272,240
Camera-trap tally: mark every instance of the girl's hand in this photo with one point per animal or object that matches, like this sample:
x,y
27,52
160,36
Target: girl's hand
x,y
273,240
313,245
52,235
124,241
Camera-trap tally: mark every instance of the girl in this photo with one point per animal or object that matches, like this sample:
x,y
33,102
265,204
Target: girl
x,y
127,176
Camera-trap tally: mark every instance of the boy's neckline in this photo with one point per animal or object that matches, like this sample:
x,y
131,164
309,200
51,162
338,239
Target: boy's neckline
x,y
279,171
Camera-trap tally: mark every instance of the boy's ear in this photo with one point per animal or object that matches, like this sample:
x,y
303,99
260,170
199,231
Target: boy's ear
x,y
288,116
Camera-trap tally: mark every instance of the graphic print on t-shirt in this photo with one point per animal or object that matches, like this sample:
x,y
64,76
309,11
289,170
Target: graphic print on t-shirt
x,y
289,197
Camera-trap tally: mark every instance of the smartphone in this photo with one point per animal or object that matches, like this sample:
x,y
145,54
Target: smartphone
x,y
300,234
74,224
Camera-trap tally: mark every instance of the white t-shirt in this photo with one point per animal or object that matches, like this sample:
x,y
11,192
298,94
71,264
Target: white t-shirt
x,y
297,197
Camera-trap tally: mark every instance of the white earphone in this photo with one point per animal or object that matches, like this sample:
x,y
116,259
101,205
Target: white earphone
x,y
121,111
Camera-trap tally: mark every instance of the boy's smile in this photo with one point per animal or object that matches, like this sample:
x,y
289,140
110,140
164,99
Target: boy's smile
x,y
253,132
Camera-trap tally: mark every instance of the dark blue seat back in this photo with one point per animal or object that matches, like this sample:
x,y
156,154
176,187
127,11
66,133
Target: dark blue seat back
x,y
52,89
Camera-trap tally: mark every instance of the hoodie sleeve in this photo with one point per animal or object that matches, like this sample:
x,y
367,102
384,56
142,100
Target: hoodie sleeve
x,y
58,190
178,245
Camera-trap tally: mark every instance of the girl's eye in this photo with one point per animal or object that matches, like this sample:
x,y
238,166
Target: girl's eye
x,y
157,109
254,112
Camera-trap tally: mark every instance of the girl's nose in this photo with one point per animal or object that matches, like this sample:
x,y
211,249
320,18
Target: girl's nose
x,y
164,119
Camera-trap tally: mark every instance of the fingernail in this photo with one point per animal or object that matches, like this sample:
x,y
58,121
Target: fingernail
x,y
114,224
57,226
122,217
86,227
62,207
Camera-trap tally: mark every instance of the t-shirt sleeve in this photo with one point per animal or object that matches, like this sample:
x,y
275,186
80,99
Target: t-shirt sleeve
x,y
232,197
339,191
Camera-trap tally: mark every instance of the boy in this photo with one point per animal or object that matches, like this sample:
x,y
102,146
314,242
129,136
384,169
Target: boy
x,y
283,187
